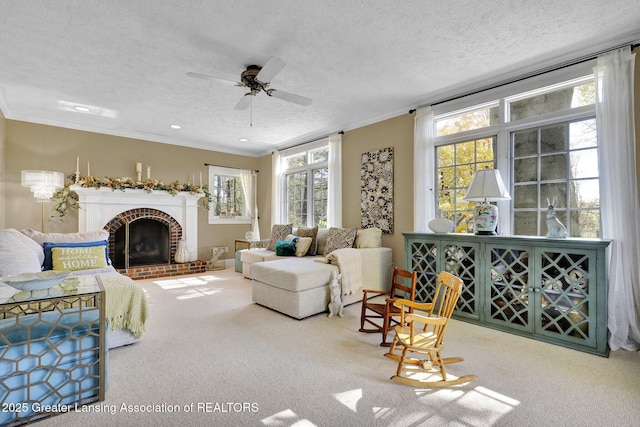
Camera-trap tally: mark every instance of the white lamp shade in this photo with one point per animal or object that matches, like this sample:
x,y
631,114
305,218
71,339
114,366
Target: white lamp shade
x,y
487,185
43,184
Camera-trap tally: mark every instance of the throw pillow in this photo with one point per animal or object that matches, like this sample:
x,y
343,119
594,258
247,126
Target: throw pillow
x,y
339,238
309,232
302,245
48,259
78,258
16,257
278,232
285,248
29,242
369,238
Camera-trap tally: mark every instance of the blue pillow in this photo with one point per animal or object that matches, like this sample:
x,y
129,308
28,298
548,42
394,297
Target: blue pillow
x,y
285,248
48,260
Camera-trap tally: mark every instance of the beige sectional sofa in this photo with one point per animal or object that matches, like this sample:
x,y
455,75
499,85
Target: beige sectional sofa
x,y
299,286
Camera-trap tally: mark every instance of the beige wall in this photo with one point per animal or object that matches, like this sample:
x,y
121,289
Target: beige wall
x,y
33,146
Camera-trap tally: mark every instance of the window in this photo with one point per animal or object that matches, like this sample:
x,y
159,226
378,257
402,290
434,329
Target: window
x,y
227,197
306,178
544,141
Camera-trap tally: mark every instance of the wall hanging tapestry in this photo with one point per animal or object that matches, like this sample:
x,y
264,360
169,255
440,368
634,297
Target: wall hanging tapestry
x,y
376,194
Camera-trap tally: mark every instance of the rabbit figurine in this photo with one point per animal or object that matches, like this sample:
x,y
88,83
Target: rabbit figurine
x,y
555,229
335,306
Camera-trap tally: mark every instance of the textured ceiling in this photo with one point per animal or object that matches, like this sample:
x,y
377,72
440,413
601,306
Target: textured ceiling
x,y
359,61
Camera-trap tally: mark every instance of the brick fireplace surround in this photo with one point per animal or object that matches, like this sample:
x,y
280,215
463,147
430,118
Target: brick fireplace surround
x,y
104,208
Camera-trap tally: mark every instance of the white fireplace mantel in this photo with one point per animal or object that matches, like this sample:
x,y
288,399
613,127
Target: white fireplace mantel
x,y
98,206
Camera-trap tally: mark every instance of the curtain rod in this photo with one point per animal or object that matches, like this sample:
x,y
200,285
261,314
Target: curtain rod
x,y
308,142
231,167
534,73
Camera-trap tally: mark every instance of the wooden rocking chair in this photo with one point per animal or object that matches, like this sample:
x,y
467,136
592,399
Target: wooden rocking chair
x,y
378,315
426,342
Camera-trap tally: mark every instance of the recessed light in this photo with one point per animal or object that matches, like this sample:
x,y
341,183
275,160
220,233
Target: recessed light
x,y
82,108
175,126
244,140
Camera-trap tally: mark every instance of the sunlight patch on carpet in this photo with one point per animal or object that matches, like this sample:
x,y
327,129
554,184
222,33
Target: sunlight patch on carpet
x,y
197,293
349,398
287,418
183,282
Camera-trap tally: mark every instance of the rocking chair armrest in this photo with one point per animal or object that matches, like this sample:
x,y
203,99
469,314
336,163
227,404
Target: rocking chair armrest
x,y
426,320
424,306
374,293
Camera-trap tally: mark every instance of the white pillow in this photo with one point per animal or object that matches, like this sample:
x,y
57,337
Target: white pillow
x,y
15,256
368,238
30,243
89,236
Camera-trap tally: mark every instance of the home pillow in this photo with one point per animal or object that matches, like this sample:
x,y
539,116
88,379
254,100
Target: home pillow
x,y
88,236
339,238
302,246
285,248
48,246
79,258
278,232
309,232
15,256
369,238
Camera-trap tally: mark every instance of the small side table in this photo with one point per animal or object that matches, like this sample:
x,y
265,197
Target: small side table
x,y
241,244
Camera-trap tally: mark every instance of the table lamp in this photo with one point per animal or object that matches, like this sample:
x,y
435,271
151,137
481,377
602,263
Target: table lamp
x,y
486,186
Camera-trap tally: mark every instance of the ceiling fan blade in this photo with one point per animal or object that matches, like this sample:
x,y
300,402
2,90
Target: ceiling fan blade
x,y
270,69
290,97
244,102
218,79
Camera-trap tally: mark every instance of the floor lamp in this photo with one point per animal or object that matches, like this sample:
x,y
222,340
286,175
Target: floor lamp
x,y
43,185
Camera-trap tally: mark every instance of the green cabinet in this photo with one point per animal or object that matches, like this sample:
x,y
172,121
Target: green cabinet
x,y
554,290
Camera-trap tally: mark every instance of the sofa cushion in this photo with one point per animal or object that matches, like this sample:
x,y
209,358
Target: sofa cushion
x,y
252,256
368,238
293,274
278,232
79,258
309,232
29,242
89,236
321,241
340,238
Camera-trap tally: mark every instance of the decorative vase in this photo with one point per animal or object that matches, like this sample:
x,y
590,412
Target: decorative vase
x,y
182,254
440,225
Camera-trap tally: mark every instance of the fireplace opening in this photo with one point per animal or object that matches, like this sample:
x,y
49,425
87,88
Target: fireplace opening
x,y
143,241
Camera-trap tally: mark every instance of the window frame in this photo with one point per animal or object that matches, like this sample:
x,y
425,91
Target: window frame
x,y
215,171
504,128
308,168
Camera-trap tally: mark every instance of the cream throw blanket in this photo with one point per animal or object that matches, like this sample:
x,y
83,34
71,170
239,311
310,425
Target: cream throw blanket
x,y
349,262
126,304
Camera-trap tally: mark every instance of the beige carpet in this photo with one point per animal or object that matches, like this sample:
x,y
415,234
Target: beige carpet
x,y
212,357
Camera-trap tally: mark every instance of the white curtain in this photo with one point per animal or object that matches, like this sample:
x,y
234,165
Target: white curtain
x,y
276,189
249,181
424,206
619,205
334,202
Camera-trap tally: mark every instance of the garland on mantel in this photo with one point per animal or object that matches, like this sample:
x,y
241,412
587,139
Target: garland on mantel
x,y
66,198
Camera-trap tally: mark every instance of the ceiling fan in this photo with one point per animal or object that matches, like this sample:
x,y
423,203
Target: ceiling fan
x,y
257,79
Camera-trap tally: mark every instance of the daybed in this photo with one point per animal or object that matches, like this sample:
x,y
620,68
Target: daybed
x,y
299,286
29,251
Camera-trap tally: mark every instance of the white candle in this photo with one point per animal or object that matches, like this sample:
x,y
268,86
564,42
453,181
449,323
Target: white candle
x,y
200,179
88,170
77,164
148,172
193,179
138,167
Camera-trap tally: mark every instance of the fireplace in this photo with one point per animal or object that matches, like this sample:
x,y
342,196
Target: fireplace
x,y
144,229
142,241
